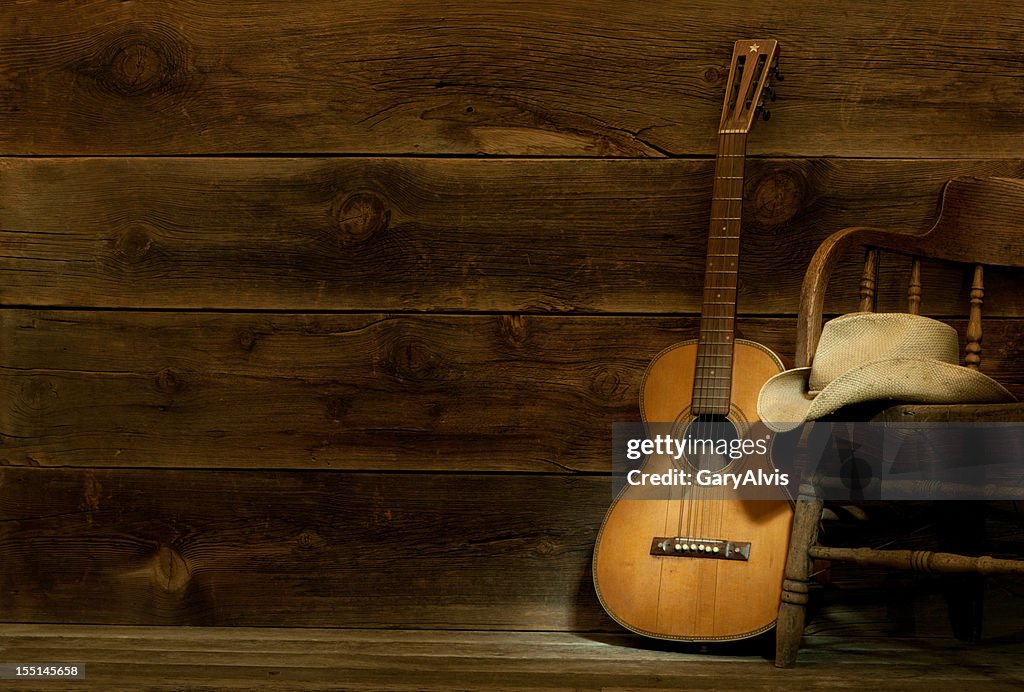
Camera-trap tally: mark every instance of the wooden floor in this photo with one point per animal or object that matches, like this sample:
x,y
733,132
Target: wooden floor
x,y
133,658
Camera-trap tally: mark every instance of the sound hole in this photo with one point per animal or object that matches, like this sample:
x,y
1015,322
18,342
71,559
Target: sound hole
x,y
708,439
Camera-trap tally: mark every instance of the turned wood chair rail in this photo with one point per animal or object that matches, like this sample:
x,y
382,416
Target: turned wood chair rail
x,y
980,223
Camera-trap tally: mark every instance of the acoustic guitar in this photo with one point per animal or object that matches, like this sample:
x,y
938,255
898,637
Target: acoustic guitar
x,y
700,563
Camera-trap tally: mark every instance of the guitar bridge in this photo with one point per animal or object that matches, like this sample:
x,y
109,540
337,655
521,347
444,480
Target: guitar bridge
x,y
678,546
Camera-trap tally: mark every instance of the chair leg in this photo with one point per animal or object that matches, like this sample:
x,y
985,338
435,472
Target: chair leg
x,y
961,528
793,609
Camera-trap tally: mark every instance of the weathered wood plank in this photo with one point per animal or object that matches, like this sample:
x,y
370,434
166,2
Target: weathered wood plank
x,y
894,78
535,393
316,549
443,234
280,658
335,549
428,392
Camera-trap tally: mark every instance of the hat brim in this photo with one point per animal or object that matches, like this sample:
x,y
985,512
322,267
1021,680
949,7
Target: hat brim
x,y
917,380
783,402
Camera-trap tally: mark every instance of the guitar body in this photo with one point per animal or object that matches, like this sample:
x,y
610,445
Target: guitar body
x,y
693,598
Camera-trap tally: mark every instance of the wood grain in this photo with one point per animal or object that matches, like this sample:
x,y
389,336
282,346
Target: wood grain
x,y
310,548
426,392
510,392
133,658
335,549
584,78
444,234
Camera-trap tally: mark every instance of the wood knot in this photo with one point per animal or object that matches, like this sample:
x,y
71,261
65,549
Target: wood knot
x,y
712,75
170,571
413,360
613,384
309,540
513,329
38,393
546,547
169,381
155,61
134,244
247,339
778,196
360,216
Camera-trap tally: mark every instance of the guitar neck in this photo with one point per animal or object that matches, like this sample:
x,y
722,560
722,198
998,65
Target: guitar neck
x,y
713,376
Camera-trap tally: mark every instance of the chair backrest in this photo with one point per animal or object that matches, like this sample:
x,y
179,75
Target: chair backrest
x,y
981,222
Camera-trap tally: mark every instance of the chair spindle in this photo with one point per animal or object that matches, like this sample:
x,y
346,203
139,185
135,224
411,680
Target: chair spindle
x,y
914,289
868,280
972,357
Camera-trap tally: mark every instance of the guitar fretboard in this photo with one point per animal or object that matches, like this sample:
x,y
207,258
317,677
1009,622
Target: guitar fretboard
x,y
712,386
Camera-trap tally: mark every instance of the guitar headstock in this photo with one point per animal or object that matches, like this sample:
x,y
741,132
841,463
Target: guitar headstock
x,y
755,63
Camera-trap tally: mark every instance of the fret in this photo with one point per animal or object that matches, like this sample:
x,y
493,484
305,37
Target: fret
x,y
713,374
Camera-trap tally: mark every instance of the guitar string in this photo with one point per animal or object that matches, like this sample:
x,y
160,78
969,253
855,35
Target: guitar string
x,y
710,347
703,343
713,370
738,147
718,349
731,219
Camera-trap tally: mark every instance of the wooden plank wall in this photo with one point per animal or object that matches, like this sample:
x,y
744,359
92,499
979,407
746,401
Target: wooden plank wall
x,y
318,314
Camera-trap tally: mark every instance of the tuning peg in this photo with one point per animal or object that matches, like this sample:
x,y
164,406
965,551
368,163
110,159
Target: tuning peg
x,y
769,91
766,114
775,71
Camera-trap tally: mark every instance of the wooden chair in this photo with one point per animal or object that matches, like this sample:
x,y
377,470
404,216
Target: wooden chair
x,y
981,222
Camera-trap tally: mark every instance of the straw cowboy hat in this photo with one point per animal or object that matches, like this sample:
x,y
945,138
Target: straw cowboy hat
x,y
867,356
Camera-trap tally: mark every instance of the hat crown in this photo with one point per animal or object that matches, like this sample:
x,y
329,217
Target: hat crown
x,y
864,337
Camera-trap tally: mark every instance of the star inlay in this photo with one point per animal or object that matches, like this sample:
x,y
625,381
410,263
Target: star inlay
x,y
754,47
